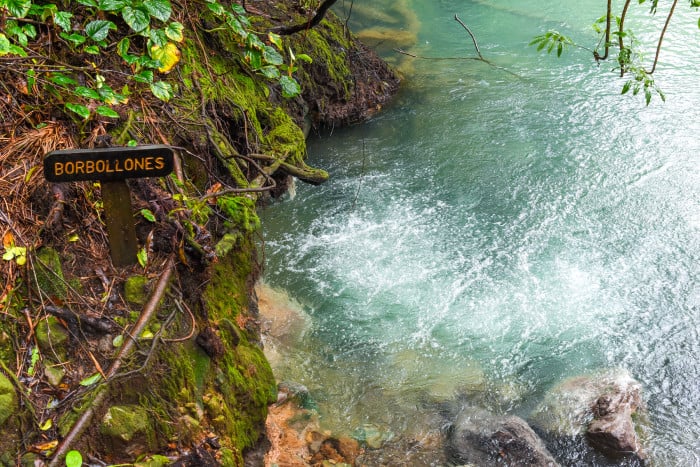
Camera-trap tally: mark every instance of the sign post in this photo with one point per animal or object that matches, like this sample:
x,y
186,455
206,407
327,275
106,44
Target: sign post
x,y
112,167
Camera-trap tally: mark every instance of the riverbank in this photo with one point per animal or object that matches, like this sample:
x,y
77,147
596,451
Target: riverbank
x,y
194,387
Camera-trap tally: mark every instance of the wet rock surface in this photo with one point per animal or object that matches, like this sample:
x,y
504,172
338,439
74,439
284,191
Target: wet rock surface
x,y
481,438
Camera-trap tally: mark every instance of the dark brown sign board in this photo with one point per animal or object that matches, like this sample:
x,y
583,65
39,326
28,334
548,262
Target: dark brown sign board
x,y
107,164
112,166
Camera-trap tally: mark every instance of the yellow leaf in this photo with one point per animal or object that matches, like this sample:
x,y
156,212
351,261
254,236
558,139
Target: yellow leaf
x,y
168,56
47,425
8,240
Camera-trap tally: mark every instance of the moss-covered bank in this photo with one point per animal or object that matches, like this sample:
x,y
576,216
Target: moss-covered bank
x,y
197,387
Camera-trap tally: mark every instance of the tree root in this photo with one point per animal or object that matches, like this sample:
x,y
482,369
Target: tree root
x,y
304,173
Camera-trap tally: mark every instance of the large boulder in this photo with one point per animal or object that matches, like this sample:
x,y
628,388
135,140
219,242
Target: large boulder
x,y
599,407
481,438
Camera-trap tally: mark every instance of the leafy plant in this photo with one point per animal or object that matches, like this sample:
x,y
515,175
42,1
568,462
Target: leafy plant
x,y
629,55
150,46
552,40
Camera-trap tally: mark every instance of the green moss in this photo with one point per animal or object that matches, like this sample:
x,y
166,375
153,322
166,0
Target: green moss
x,y
124,423
136,290
49,273
52,337
8,399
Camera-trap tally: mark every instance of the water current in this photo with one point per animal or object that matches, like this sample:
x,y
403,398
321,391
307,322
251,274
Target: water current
x,y
524,222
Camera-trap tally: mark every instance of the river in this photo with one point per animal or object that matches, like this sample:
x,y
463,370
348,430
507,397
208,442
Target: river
x,y
521,219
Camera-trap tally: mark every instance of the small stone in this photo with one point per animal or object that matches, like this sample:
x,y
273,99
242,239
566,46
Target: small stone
x,y
52,336
54,374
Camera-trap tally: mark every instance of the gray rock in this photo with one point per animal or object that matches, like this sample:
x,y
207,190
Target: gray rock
x,y
598,406
481,438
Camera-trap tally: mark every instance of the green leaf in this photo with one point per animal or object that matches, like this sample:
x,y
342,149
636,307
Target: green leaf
x,y
18,8
254,58
142,257
270,72
118,341
626,87
62,20
31,79
98,30
74,459
174,31
4,45
90,380
271,56
29,30
304,58
79,109
236,26
137,18
146,76
34,360
87,93
158,37
238,9
162,90
75,38
112,5
61,79
254,42
216,8
90,3
290,87
106,112
275,39
92,49
148,215
159,9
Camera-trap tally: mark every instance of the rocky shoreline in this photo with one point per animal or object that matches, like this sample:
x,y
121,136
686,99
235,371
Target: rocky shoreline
x,y
594,419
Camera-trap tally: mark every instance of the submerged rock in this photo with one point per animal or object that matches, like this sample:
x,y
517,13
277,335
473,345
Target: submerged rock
x,y
482,438
599,407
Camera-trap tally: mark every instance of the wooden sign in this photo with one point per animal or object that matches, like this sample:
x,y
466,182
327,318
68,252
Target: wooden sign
x,y
112,166
106,164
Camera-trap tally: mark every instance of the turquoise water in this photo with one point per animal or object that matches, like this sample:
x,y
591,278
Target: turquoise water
x,y
523,219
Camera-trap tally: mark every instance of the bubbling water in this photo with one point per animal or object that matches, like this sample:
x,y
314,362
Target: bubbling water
x,y
498,233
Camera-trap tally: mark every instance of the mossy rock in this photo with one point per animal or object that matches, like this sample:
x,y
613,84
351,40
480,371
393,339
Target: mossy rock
x,y
49,273
8,399
136,290
52,337
128,424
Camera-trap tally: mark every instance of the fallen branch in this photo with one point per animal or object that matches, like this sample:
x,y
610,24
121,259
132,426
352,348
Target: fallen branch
x,y
476,46
148,310
479,57
77,323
